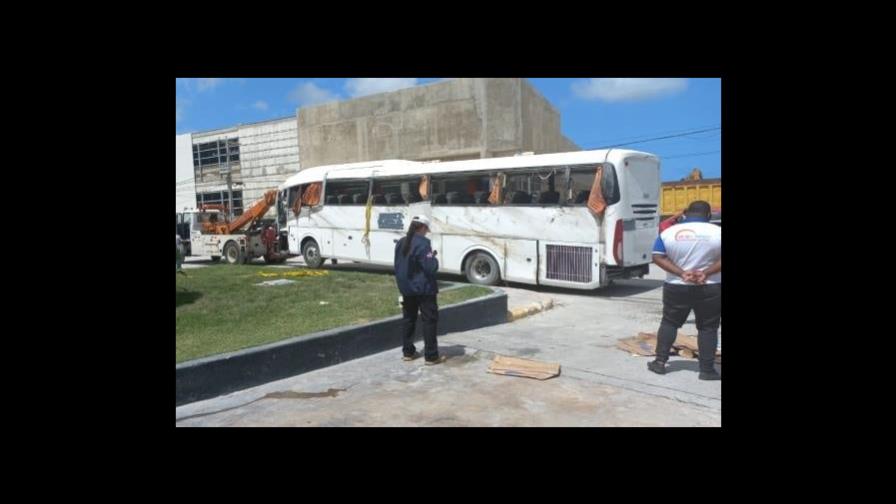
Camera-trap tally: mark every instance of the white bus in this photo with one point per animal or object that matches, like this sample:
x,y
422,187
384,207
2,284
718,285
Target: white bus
x,y
533,219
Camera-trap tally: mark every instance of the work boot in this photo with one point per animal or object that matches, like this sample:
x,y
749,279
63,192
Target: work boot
x,y
411,357
708,370
710,375
657,366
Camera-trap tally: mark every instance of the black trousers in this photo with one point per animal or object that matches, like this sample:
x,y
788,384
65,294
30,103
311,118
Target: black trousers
x,y
429,312
678,301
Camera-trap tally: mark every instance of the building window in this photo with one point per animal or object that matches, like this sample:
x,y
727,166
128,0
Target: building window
x,y
216,153
220,198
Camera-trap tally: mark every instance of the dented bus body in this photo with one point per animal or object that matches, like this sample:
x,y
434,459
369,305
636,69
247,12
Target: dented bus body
x,y
524,219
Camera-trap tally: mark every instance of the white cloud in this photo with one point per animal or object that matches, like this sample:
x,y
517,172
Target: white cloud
x,y
179,105
260,105
205,84
309,94
368,86
617,90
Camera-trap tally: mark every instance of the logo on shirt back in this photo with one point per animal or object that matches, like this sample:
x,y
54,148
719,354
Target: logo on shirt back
x,y
690,235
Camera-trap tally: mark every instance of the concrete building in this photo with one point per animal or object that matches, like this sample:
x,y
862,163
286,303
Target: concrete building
x,y
448,120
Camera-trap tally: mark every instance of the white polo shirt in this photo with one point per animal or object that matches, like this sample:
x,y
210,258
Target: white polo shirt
x,y
692,244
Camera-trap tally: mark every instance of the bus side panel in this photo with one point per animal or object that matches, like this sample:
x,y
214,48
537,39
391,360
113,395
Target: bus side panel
x,y
520,261
638,239
387,225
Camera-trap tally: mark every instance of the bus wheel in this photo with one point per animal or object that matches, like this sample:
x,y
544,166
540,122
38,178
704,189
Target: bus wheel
x,y
232,253
311,253
482,269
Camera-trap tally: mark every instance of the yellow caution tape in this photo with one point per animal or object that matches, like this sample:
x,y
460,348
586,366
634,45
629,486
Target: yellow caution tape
x,y
296,273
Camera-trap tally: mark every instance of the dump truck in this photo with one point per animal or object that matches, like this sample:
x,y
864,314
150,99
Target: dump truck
x,y
676,196
208,232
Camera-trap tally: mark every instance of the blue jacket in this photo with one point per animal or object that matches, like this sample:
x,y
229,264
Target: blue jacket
x,y
416,272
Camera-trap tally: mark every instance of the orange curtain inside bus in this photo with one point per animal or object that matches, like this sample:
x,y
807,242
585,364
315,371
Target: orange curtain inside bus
x,y
297,204
424,187
494,197
596,202
311,196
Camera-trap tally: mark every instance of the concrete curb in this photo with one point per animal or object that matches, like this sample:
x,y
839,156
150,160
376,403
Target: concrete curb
x,y
529,309
221,374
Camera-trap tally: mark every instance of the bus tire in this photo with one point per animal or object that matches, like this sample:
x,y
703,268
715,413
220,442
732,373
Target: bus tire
x,y
216,258
232,253
311,253
482,269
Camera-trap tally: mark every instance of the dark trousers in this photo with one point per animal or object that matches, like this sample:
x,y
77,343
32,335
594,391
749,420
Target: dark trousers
x,y
429,312
678,301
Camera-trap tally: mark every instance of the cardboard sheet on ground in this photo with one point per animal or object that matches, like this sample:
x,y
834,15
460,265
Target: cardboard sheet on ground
x,y
514,366
644,344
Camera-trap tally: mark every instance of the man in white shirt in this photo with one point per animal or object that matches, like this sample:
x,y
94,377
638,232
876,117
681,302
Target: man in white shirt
x,y
691,254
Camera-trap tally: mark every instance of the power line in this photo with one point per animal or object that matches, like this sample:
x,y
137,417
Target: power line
x,y
651,135
692,154
654,139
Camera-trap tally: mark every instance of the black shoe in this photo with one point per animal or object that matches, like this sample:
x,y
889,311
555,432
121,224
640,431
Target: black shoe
x,y
438,360
710,375
658,367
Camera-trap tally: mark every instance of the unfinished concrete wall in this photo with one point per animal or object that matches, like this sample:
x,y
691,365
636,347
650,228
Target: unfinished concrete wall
x,y
503,116
541,124
569,145
435,121
456,119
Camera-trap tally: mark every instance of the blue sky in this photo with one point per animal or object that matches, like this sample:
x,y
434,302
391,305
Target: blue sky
x,y
593,112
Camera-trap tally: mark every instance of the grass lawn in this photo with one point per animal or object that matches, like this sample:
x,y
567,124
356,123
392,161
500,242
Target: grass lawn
x,y
219,309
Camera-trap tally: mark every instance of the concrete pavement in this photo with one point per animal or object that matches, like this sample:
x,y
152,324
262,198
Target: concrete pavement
x,y
599,384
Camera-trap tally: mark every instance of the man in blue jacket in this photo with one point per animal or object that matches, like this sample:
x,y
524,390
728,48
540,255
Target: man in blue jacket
x,y
415,272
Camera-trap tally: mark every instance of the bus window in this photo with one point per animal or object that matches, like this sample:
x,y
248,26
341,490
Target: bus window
x,y
581,178
347,192
394,192
282,198
461,189
533,187
292,200
610,185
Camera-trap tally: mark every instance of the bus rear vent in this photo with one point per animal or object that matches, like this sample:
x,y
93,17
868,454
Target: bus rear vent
x,y
570,264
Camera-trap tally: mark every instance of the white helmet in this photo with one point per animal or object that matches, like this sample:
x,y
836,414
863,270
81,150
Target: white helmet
x,y
421,219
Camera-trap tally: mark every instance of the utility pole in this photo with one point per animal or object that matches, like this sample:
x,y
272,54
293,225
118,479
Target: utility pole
x,y
229,181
